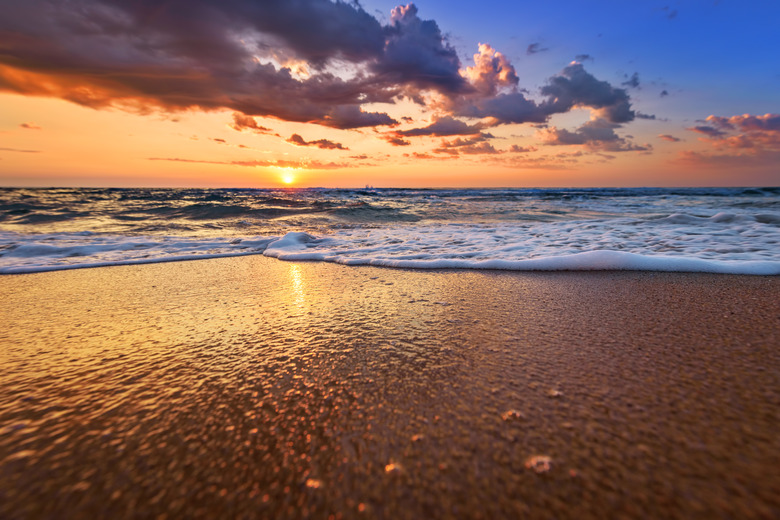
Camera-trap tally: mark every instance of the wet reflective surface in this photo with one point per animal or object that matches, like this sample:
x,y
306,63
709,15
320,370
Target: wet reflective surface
x,y
251,388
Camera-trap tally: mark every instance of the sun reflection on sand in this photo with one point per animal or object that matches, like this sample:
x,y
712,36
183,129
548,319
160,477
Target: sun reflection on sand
x,y
298,285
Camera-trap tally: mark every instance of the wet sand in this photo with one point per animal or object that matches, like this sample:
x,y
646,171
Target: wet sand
x,y
254,388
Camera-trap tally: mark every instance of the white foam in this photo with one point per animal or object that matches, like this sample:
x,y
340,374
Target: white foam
x,y
56,251
721,243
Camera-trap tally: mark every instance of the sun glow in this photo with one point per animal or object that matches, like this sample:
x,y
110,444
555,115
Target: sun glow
x,y
287,175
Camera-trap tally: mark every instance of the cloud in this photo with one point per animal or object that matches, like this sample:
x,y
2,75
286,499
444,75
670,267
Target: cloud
x,y
483,148
671,14
664,93
30,126
748,123
576,87
279,163
670,138
461,142
572,87
243,122
443,126
583,57
633,81
505,108
521,149
597,134
749,133
396,140
325,144
420,155
142,56
473,145
416,53
707,130
2,149
319,62
491,71
765,159
745,140
535,48
352,116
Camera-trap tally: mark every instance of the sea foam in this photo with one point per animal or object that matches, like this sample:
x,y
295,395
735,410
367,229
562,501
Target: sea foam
x,y
722,230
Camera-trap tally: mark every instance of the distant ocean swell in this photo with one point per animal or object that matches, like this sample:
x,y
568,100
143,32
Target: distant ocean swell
x,y
725,230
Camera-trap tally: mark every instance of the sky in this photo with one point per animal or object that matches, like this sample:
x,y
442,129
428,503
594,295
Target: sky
x,y
268,93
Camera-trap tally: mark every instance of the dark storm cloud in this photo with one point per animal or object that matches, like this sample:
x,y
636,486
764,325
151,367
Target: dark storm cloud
x,y
417,54
176,55
325,144
308,61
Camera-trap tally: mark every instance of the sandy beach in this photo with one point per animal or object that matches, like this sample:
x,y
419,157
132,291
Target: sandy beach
x,y
254,388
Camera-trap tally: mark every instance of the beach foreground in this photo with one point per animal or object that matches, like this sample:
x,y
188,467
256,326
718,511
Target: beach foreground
x,y
249,387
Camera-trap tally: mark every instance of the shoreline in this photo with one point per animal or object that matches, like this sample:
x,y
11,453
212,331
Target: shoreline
x,y
587,262
245,386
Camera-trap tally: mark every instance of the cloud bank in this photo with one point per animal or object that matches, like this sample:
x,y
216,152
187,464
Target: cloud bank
x,y
311,61
749,133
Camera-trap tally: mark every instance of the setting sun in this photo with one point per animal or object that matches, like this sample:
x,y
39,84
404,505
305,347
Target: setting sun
x,y
287,175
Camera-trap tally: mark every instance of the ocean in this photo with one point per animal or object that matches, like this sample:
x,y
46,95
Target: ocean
x,y
721,230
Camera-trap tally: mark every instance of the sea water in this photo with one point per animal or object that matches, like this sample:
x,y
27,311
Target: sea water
x,y
723,230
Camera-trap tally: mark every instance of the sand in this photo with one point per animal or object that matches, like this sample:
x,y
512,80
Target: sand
x,y
255,388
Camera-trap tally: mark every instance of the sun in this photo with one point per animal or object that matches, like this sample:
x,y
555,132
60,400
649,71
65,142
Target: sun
x,y
287,176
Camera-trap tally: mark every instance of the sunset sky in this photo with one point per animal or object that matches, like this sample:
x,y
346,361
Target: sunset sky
x,y
259,93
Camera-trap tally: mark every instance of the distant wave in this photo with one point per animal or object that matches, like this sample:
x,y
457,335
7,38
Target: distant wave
x,y
734,230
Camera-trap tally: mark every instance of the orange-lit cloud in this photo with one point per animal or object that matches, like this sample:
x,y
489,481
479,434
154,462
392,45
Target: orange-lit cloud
x,y
491,71
746,139
596,134
278,60
243,122
3,149
443,126
325,144
473,145
281,163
